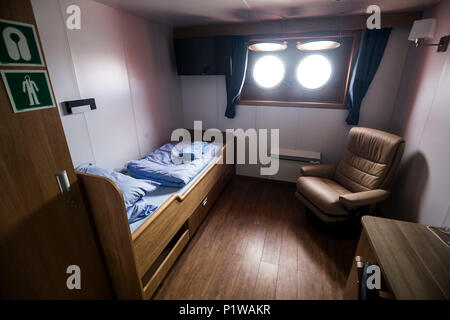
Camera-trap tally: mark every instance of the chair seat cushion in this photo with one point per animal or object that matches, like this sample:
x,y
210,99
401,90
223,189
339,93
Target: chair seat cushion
x,y
323,193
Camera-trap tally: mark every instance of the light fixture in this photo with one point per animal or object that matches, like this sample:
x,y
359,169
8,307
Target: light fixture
x,y
268,46
318,45
424,30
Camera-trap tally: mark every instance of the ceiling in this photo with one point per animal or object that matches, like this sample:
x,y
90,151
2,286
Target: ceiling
x,y
194,12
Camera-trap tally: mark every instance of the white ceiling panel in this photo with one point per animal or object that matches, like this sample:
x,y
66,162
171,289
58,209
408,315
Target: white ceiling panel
x,y
196,12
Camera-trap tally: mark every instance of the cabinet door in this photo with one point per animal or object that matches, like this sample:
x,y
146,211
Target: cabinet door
x,y
42,232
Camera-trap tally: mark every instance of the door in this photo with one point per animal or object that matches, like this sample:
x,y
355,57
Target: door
x,y
42,232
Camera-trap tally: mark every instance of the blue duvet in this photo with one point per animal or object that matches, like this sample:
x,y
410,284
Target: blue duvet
x,y
159,165
133,190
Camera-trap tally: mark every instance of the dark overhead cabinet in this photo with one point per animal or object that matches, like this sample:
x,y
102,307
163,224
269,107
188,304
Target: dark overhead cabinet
x,y
203,56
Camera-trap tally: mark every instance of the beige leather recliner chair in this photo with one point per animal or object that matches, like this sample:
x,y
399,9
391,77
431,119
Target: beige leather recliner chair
x,y
361,179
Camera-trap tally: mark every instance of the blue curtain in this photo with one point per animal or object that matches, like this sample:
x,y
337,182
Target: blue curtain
x,y
235,80
369,57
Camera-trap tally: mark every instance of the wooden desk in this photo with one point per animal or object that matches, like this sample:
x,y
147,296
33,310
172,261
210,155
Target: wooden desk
x,y
414,263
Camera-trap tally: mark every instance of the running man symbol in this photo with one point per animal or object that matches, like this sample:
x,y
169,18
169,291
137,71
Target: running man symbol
x,y
31,88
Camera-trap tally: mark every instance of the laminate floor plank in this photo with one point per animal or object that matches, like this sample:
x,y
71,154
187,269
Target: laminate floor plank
x,y
256,243
266,282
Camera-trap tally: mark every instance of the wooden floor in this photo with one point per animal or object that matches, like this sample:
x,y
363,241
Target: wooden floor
x,y
257,244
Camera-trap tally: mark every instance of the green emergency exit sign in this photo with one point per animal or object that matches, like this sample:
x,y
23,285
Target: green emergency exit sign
x,y
28,89
19,45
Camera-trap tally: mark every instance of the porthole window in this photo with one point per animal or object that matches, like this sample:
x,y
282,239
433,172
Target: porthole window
x,y
268,71
314,71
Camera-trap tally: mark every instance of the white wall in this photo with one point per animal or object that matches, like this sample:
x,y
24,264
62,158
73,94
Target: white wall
x,y
321,130
422,117
122,61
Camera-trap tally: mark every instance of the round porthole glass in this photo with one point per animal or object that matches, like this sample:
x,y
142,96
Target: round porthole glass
x,y
314,71
268,71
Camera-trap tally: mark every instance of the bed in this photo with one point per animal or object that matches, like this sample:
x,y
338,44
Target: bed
x,y
139,255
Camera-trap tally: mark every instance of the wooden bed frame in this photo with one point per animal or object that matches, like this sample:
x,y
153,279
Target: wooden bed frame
x,y
137,262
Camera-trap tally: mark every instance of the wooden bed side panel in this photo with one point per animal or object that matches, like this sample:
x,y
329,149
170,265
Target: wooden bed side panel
x,y
151,239
108,210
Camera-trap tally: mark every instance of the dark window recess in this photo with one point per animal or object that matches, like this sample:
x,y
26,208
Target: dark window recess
x,y
289,92
203,56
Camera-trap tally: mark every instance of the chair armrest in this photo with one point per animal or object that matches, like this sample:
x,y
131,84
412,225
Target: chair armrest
x,y
319,170
364,198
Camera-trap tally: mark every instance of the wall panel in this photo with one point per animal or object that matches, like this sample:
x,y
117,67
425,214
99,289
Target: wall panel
x,y
125,63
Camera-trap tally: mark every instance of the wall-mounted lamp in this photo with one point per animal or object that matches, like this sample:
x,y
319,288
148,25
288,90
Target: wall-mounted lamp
x,y
318,45
424,30
267,46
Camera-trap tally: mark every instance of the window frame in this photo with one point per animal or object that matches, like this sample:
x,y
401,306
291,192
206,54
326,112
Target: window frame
x,y
356,37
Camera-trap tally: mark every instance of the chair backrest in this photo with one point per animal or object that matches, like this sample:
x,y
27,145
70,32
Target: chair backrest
x,y
370,160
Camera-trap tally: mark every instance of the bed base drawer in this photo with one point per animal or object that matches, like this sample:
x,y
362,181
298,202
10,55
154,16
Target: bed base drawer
x,y
201,212
196,219
168,257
